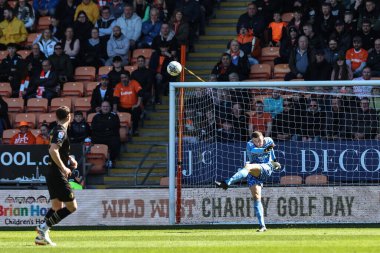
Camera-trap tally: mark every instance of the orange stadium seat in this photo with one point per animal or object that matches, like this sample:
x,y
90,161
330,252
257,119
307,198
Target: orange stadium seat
x,y
28,117
260,71
164,181
35,132
89,88
5,89
57,102
12,4
90,117
97,157
24,53
146,52
86,73
8,134
104,70
280,70
15,104
125,118
287,16
46,118
73,89
268,54
31,38
43,23
82,104
316,179
291,180
130,68
3,55
37,105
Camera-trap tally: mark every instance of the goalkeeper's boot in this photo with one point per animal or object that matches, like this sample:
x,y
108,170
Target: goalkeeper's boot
x,y
221,184
276,166
261,229
43,237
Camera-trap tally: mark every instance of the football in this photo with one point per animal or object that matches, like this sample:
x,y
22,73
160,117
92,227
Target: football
x,y
174,68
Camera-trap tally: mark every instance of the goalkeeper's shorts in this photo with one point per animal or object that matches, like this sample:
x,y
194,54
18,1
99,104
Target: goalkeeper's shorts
x,y
266,171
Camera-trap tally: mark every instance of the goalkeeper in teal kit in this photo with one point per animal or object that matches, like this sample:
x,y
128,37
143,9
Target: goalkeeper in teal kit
x,y
262,162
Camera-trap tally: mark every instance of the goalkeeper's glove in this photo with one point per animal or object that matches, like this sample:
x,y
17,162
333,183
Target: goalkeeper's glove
x,y
276,165
268,149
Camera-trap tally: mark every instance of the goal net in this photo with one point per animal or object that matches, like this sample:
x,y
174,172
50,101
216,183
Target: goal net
x,y
326,135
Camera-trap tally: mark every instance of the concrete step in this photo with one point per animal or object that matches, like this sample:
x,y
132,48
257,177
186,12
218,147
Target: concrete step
x,y
232,12
146,132
144,147
130,181
226,31
232,3
212,56
155,155
131,172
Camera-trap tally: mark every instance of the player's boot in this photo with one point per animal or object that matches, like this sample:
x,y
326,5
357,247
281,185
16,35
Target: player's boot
x,y
43,237
261,229
276,165
221,184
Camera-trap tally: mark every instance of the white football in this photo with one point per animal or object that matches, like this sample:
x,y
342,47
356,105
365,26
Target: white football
x,y
174,68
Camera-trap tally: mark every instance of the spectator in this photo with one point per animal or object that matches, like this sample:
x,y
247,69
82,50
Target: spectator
x,y
146,78
300,59
223,68
338,121
56,29
4,119
285,124
356,8
249,44
94,53
161,6
150,29
342,36
128,98
24,137
117,69
79,129
65,13
337,9
105,24
3,6
367,34
62,64
240,96
71,45
315,41
82,28
332,52
46,43
118,45
349,23
12,30
90,8
167,37
260,120
238,121
273,105
24,12
374,59
223,106
142,9
363,91
253,20
102,92
341,71
105,130
44,137
356,57
180,26
130,24
44,8
34,62
297,21
366,122
288,43
371,13
276,29
320,69
325,22
239,59
313,122
13,69
116,8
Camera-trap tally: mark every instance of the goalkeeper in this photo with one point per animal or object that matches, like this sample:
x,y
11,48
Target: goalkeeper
x,y
262,162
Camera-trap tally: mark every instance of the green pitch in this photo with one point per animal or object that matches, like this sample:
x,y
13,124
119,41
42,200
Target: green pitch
x,y
344,240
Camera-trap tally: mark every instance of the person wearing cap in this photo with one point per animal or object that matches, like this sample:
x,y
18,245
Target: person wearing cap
x,y
79,129
319,69
12,29
117,45
24,137
356,57
102,92
288,43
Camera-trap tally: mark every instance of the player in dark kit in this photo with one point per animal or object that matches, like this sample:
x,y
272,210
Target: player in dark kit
x,y
57,178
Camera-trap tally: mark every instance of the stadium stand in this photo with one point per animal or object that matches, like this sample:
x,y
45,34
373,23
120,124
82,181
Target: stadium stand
x,y
97,158
5,89
30,118
61,101
37,105
291,180
75,89
260,72
316,180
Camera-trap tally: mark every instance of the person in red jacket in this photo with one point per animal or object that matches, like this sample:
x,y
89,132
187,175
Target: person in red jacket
x,y
24,137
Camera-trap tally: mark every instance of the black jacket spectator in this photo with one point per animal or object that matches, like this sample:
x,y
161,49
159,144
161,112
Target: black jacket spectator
x,y
13,70
319,70
4,119
373,60
78,131
62,65
284,125
34,62
365,121
223,68
252,19
146,78
313,122
65,11
97,99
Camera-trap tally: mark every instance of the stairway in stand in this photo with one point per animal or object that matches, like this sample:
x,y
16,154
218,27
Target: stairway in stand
x,y
211,46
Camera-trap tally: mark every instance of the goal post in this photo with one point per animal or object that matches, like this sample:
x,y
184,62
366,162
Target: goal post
x,y
213,147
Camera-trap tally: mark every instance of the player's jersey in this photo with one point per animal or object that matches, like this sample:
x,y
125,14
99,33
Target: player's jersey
x,y
257,155
58,135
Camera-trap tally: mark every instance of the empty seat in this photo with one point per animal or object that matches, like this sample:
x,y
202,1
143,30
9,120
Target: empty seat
x,y
287,16
15,104
316,179
58,102
12,4
280,70
268,54
97,157
86,73
31,38
146,52
104,70
8,134
24,53
30,118
90,117
260,71
37,105
5,90
291,180
73,89
125,118
82,104
130,68
89,88
43,23
35,132
47,118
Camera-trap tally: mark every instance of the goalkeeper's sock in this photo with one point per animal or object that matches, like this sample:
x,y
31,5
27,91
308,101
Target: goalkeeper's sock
x,y
259,212
243,173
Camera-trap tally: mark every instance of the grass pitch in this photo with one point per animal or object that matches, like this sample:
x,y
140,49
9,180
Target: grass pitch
x,y
292,240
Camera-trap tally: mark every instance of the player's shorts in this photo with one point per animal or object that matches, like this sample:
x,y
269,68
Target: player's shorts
x,y
58,186
266,171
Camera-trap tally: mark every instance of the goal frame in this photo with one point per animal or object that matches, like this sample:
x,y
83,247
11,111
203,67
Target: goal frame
x,y
173,86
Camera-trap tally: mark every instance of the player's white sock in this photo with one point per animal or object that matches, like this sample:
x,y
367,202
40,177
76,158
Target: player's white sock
x,y
242,173
259,212
44,227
